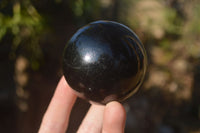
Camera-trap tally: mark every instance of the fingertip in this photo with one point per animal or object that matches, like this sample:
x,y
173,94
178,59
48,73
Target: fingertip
x,y
63,83
114,109
62,89
114,118
115,106
57,115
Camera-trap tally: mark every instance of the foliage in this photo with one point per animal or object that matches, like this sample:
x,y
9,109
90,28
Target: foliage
x,y
84,11
23,24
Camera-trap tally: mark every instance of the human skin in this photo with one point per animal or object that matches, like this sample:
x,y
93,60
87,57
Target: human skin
x,y
109,118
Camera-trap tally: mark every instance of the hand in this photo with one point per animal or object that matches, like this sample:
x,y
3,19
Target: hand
x,y
99,119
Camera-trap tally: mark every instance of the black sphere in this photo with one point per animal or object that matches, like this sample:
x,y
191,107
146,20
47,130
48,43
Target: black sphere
x,y
104,61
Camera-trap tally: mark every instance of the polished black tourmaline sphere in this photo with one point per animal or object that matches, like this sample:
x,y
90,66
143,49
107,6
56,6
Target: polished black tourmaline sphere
x,y
104,61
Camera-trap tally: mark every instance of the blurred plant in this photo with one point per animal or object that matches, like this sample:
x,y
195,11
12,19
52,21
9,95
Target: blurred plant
x,y
152,17
85,11
192,30
21,22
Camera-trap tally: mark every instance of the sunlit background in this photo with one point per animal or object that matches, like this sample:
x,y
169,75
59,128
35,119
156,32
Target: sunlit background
x,y
33,34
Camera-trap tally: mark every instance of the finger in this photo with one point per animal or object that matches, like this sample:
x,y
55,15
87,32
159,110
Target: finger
x,y
114,118
92,123
56,117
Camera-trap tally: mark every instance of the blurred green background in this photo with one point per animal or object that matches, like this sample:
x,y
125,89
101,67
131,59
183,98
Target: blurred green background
x,y
32,37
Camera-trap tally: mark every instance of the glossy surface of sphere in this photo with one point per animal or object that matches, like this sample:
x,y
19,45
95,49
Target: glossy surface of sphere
x,y
104,61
